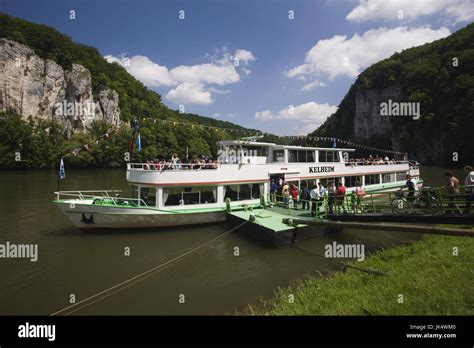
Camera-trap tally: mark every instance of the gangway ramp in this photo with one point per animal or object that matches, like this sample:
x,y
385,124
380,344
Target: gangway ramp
x,y
268,226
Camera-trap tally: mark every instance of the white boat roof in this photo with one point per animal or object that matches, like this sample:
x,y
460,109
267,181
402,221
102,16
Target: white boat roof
x,y
291,147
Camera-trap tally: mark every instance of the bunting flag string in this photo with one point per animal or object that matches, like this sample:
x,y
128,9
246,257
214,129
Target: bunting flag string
x,y
331,140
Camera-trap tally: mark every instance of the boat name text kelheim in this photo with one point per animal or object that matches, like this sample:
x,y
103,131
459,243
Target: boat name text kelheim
x,y
321,169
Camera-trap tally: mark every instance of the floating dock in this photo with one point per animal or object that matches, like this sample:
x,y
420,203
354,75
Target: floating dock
x,y
279,226
268,226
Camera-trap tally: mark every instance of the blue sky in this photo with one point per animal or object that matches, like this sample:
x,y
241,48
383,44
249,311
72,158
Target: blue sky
x,y
254,63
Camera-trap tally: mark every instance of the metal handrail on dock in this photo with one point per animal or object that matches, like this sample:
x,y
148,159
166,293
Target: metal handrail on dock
x,y
428,201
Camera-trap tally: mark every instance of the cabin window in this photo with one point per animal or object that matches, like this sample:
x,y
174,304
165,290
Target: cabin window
x,y
292,156
255,151
302,156
148,195
388,177
401,176
278,156
189,195
372,179
328,156
243,192
352,181
208,194
257,189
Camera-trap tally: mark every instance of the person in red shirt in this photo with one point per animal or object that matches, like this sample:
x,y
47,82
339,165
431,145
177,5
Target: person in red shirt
x,y
340,194
294,194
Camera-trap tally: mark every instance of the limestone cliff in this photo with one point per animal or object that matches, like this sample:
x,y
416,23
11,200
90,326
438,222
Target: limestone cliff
x,y
437,79
32,86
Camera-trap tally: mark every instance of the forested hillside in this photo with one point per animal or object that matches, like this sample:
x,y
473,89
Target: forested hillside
x,y
440,77
41,142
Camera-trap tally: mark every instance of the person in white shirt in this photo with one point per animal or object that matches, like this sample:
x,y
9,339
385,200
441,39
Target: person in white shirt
x,y
315,197
322,190
469,188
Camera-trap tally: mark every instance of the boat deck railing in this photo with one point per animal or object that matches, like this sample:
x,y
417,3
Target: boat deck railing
x,y
373,163
427,201
101,197
168,166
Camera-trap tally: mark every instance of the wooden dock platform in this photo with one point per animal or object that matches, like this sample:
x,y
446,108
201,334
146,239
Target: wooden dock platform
x,y
268,226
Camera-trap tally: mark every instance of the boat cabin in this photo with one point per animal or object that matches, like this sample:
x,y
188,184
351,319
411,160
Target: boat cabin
x,y
244,170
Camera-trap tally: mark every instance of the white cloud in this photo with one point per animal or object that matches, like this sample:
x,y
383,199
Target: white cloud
x,y
308,115
455,11
192,79
151,74
190,93
312,85
264,115
206,73
244,56
340,55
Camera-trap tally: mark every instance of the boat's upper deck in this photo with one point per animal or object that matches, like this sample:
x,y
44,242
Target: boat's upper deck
x,y
247,162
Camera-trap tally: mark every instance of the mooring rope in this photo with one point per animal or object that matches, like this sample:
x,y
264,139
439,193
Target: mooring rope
x,y
131,281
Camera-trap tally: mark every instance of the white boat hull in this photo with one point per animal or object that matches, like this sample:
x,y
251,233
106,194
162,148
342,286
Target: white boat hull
x,y
89,216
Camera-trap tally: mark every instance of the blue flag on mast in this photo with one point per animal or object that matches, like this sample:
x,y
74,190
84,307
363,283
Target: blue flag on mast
x,y
139,143
62,173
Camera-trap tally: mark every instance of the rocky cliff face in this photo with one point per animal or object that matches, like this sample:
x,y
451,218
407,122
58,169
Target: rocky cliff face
x,y
359,119
391,132
428,91
31,86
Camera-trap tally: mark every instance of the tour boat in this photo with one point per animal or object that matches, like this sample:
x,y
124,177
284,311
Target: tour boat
x,y
175,194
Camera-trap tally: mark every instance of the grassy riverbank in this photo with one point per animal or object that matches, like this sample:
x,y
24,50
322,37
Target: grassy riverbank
x,y
431,279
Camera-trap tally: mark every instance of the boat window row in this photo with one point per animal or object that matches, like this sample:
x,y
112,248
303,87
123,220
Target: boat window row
x,y
356,180
189,195
301,156
243,192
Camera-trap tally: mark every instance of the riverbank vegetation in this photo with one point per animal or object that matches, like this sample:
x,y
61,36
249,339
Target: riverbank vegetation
x,y
40,142
434,276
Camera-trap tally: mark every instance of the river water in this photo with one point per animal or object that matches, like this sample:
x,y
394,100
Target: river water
x,y
213,280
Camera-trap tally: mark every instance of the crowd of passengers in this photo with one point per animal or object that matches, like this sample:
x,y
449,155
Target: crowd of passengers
x,y
175,164
371,161
206,162
312,195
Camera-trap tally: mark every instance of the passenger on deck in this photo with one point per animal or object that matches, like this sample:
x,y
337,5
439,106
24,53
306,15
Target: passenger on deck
x,y
305,198
469,188
322,190
452,187
411,185
294,194
360,193
315,198
340,195
273,191
331,197
285,192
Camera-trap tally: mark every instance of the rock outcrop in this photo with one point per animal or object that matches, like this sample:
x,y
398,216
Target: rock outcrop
x,y
32,86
